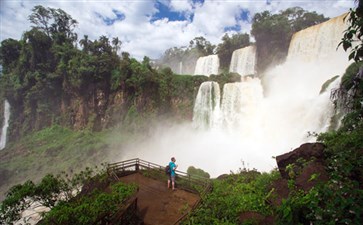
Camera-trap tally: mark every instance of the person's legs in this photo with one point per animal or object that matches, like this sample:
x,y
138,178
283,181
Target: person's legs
x,y
173,182
169,182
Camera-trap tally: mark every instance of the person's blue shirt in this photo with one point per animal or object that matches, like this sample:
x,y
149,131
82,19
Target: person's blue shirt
x,y
172,168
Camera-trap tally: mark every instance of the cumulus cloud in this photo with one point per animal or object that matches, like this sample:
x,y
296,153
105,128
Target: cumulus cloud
x,y
133,23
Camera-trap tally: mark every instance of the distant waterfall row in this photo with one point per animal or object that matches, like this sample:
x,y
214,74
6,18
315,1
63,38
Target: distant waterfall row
x,y
242,62
288,105
5,125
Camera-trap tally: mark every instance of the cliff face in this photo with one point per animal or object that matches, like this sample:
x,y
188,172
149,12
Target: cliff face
x,y
97,107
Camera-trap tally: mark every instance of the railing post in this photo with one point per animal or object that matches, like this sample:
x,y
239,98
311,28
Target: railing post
x,y
137,168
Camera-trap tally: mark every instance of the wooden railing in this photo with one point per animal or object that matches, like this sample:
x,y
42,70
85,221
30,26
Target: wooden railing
x,y
137,165
192,183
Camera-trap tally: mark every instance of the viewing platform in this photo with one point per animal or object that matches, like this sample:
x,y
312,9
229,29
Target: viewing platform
x,y
157,204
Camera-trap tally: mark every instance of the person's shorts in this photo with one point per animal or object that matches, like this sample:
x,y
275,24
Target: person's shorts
x,y
172,178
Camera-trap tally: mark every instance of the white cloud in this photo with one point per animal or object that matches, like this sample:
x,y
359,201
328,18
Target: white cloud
x,y
139,36
177,5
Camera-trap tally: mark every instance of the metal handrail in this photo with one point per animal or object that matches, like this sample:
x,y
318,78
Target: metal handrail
x,y
138,164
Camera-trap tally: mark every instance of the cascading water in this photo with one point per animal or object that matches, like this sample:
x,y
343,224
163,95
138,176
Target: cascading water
x,y
243,61
319,43
257,119
5,125
240,103
275,117
207,65
207,106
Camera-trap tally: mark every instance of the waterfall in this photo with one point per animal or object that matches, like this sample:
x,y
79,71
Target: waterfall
x,y
5,125
207,106
181,67
207,65
319,42
240,104
260,121
258,118
243,61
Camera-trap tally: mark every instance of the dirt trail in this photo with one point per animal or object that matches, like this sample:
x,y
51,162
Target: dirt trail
x,y
158,204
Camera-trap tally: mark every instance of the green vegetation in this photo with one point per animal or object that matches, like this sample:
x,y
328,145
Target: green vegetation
x,y
197,172
228,45
70,203
340,199
273,33
49,81
52,150
236,193
353,36
91,208
58,86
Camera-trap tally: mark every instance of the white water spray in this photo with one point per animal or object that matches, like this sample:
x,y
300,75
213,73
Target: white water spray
x,y
5,125
243,61
207,65
257,119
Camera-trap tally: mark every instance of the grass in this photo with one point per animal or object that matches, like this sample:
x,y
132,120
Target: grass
x,y
51,150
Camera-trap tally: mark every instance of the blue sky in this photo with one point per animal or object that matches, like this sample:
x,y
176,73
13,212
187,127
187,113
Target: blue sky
x,y
149,27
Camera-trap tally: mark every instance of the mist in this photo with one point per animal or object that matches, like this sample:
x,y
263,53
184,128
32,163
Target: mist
x,y
272,117
258,118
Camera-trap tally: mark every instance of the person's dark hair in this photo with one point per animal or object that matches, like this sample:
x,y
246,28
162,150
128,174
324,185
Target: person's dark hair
x,y
172,158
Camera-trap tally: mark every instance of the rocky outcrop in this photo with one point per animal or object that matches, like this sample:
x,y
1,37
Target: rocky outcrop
x,y
251,217
305,165
305,153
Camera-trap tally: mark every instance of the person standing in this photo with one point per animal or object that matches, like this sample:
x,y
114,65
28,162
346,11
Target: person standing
x,y
171,179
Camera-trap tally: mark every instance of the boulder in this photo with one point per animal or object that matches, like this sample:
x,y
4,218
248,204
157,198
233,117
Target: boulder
x,y
251,217
307,152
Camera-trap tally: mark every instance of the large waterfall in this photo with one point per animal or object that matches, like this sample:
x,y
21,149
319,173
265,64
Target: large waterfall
x,y
270,119
318,43
251,121
243,61
5,125
207,65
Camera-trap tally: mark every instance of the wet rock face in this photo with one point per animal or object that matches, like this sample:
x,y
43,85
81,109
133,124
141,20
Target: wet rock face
x,y
305,165
301,157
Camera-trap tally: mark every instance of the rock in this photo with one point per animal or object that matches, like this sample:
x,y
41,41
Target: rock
x,y
304,180
251,217
306,152
280,191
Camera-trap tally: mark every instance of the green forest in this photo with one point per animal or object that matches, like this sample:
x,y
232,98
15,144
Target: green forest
x,y
72,99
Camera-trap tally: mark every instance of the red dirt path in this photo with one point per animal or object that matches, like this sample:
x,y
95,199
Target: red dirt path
x,y
158,204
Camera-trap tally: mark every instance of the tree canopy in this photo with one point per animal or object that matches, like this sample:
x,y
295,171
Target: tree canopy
x,y
228,45
273,33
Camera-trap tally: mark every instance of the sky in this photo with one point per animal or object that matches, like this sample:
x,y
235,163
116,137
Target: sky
x,y
149,27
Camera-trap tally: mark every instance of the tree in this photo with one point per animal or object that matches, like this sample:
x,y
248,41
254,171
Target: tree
x,y
203,46
228,45
116,44
85,43
55,23
9,54
353,36
273,33
41,18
